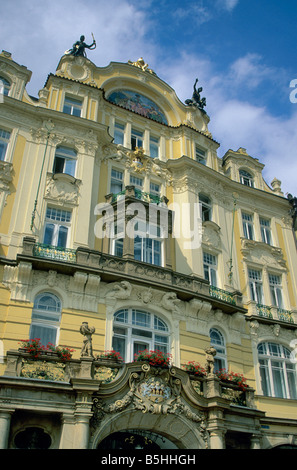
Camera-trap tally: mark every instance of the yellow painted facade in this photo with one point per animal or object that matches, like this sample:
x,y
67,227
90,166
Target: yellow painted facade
x,y
225,275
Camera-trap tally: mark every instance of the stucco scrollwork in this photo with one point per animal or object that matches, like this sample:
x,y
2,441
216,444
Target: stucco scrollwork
x,y
152,390
62,189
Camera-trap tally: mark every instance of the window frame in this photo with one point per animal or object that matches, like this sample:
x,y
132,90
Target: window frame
x,y
248,225
46,321
57,225
5,138
246,178
200,155
206,207
210,269
137,138
265,229
275,375
143,333
6,86
75,101
61,154
119,133
276,290
254,285
220,347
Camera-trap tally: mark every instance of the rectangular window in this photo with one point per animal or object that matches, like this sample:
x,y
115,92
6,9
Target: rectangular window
x,y
154,147
137,182
148,243
72,106
57,225
155,190
255,283
247,222
265,230
116,182
136,139
118,240
119,130
276,290
210,268
65,161
200,155
4,140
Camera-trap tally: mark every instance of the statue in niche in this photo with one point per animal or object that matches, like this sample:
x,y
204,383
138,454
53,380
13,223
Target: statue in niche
x,y
196,99
87,331
78,48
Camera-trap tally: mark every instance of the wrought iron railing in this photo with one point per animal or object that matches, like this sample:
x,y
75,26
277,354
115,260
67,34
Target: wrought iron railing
x,y
264,311
285,315
141,195
221,295
54,252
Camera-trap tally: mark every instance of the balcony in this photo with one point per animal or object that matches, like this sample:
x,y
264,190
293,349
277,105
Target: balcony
x,y
48,368
222,295
54,252
132,192
271,313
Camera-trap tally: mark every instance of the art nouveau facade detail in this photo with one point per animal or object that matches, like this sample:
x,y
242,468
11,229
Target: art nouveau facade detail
x,y
212,262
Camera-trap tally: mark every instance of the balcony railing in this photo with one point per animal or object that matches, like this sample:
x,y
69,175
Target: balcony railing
x,y
264,311
285,315
221,295
274,312
138,194
54,252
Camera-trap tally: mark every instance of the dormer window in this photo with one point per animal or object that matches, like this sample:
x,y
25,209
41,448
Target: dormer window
x,y
246,178
72,106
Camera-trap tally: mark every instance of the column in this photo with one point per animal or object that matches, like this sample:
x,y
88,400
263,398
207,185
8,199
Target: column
x,y
68,432
5,418
216,439
82,431
255,442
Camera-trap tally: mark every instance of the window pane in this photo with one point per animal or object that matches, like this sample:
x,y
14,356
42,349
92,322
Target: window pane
x,y
62,237
141,318
45,333
119,345
48,234
278,379
265,382
4,139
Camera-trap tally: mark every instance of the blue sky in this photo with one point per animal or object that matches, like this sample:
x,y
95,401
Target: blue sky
x,y
242,51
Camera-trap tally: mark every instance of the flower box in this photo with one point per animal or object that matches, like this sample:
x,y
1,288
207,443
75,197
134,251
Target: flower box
x,y
194,369
154,358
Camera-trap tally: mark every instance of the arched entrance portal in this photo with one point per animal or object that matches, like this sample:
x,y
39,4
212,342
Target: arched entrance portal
x,y
167,431
136,439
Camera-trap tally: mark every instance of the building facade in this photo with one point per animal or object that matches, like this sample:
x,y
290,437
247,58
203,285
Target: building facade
x,y
121,229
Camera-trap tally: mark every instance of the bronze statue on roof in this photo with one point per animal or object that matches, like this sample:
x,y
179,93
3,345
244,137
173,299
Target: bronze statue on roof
x,y
78,48
196,99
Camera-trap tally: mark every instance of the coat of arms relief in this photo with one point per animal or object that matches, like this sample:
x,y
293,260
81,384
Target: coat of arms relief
x,y
152,390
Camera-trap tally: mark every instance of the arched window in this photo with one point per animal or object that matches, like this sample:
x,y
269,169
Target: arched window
x,y
277,372
206,207
4,86
135,330
46,317
218,342
65,161
246,178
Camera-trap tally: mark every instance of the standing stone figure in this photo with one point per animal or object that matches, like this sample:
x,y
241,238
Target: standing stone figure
x,y
210,354
87,331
